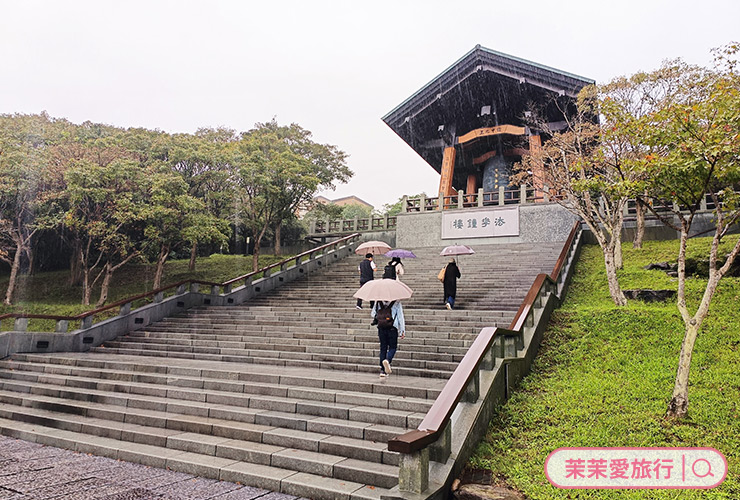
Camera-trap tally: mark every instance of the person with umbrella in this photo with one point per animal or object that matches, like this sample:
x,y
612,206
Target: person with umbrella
x,y
452,273
388,313
394,269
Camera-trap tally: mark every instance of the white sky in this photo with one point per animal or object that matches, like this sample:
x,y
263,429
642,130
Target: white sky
x,y
333,67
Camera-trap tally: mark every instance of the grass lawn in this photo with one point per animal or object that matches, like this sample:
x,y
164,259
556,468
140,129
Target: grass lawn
x,y
604,376
49,293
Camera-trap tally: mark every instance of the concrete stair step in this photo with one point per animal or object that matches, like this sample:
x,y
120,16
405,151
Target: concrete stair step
x,y
225,469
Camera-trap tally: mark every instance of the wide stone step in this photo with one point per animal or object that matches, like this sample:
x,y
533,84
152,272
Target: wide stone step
x,y
210,466
234,400
361,365
349,387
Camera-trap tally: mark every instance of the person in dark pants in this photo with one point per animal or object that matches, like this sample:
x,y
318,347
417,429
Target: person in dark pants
x,y
452,273
389,318
367,273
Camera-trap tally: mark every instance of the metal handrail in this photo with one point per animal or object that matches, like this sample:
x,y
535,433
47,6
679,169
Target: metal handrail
x,y
225,284
439,414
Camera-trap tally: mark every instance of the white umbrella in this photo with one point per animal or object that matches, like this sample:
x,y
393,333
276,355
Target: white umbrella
x,y
385,290
373,247
456,250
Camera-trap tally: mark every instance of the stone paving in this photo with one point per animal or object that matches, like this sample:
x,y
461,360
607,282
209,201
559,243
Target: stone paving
x,y
30,471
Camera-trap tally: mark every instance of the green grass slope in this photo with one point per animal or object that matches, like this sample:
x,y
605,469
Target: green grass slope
x,y
604,376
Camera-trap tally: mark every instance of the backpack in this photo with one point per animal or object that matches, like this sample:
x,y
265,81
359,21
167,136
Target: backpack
x,y
389,272
384,315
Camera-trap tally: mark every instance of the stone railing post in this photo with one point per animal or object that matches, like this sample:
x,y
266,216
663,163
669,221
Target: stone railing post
x,y
460,198
125,309
62,326
214,290
523,194
312,227
180,289
480,197
385,222
86,322
194,287
441,202
405,203
20,325
545,192
158,297
422,203
354,225
703,203
472,391
501,195
413,471
441,449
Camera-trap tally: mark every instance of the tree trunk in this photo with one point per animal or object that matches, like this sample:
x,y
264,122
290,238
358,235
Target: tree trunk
x,y
679,405
278,229
611,275
618,263
193,255
28,250
75,264
105,286
640,230
256,253
13,275
164,252
86,287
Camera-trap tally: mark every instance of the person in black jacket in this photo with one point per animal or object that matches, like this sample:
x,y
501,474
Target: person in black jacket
x,y
367,273
452,273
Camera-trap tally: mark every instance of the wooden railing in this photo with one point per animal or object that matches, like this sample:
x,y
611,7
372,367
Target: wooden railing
x,y
433,434
86,318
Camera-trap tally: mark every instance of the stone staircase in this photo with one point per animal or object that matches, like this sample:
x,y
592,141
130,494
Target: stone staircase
x,y
280,393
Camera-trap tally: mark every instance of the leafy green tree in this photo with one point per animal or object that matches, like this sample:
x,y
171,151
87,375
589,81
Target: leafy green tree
x,y
174,218
695,131
106,201
323,211
397,207
593,169
24,141
280,168
202,160
353,210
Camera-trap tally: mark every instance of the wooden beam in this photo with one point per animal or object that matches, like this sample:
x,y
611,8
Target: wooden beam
x,y
448,168
489,131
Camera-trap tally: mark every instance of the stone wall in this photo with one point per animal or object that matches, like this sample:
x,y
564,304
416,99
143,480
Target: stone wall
x,y
537,222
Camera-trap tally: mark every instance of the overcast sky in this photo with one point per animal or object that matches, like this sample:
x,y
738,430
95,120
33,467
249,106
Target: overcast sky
x,y
335,68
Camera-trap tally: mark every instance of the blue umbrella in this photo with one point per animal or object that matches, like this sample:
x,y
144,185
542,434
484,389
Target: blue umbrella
x,y
400,253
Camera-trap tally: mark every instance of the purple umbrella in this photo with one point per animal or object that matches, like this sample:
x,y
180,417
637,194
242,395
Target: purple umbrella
x,y
456,250
401,254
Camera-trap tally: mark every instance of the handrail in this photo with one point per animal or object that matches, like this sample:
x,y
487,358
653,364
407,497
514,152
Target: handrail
x,y
439,414
127,300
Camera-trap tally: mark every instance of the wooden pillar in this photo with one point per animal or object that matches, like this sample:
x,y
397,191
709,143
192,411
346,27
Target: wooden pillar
x,y
448,168
538,173
471,189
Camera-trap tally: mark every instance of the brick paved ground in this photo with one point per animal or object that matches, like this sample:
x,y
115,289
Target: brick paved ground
x,y
29,471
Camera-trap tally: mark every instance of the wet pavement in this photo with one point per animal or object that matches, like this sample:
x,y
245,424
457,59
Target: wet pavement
x,y
30,471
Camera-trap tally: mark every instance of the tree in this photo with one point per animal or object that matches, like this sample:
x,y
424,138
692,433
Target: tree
x,y
202,160
106,199
397,207
280,168
23,148
173,218
592,168
696,133
354,210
